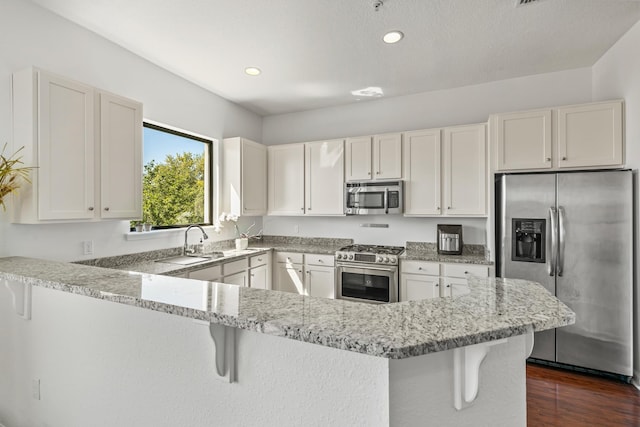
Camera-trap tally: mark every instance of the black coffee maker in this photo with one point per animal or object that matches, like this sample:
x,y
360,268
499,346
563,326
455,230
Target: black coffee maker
x,y
449,239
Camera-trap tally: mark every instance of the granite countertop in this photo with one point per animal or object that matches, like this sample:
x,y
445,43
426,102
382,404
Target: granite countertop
x,y
421,251
493,309
148,262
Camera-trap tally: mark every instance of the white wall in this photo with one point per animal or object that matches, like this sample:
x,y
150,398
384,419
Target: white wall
x,y
464,105
617,75
34,36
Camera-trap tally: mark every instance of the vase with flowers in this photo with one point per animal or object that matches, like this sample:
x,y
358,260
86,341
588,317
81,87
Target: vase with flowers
x,y
242,238
12,174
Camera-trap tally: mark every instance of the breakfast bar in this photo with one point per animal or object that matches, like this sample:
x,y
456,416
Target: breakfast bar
x,y
207,347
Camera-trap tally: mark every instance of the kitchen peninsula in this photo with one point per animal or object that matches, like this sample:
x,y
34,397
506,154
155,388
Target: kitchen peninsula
x,y
142,345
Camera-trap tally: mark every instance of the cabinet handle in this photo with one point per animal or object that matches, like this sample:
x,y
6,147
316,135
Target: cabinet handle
x,y
368,173
419,268
320,260
299,271
437,286
378,173
106,209
253,275
301,209
448,207
308,272
259,259
90,208
564,158
548,159
438,208
448,286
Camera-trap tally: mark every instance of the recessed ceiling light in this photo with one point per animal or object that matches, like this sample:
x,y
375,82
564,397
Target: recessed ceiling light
x,y
252,71
393,37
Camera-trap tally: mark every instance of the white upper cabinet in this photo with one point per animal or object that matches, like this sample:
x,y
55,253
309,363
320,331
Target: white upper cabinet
x,y
524,140
244,177
465,168
324,177
120,157
387,156
286,179
377,157
358,158
570,137
590,135
422,172
66,148
86,146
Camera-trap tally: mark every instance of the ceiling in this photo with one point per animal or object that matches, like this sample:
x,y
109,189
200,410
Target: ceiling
x,y
314,53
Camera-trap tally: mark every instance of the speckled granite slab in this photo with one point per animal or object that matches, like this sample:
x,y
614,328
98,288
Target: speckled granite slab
x,y
493,309
425,251
309,245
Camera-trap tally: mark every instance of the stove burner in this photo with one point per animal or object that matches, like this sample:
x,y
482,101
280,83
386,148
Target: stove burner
x,y
374,249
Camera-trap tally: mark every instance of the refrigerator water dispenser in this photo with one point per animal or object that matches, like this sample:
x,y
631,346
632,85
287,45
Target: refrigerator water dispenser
x,y
528,240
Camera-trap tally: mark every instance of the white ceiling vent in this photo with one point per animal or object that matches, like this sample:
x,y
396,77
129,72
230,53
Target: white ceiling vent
x,y
526,2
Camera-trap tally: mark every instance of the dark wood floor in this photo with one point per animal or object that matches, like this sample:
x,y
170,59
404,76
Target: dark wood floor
x,y
563,398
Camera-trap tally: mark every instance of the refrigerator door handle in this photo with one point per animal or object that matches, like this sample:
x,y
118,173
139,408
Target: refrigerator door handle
x,y
561,235
553,230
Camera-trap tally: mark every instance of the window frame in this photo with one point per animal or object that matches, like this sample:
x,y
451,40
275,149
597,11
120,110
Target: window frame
x,y
209,153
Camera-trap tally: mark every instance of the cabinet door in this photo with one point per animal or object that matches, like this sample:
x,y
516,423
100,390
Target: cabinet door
x,y
286,179
320,281
210,273
387,156
358,158
66,149
417,287
289,278
590,135
454,286
258,277
524,140
120,157
240,279
324,177
254,178
465,170
422,172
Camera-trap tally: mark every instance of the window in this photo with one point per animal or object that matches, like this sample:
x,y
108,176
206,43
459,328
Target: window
x,y
176,180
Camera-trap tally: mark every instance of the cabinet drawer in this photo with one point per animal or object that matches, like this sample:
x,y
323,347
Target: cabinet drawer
x,y
210,273
258,260
420,267
235,266
461,270
322,260
291,257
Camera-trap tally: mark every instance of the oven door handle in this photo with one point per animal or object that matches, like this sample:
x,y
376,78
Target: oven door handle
x,y
390,269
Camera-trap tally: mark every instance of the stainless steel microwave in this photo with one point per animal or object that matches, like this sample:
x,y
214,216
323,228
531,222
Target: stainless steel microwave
x,y
373,197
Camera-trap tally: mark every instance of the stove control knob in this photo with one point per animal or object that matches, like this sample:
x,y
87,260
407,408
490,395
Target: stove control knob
x,y
339,256
350,256
387,259
379,259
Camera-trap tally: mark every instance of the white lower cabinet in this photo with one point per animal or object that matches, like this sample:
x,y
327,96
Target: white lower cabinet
x,y
305,274
240,279
416,287
422,279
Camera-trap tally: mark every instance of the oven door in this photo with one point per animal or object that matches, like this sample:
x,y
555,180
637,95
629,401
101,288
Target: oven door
x,y
367,284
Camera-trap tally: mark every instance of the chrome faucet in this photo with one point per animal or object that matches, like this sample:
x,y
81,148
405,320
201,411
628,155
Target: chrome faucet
x,y
185,250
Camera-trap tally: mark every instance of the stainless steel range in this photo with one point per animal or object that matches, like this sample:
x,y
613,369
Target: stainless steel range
x,y
368,273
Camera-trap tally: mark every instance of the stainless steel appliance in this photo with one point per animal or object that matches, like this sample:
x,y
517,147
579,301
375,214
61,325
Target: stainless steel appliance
x,y
373,198
449,239
368,273
573,233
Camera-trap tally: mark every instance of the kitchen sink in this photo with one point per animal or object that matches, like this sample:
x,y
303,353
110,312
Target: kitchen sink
x,y
188,260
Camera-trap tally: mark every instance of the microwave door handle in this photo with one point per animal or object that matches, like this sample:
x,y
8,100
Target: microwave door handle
x,y
386,200
551,264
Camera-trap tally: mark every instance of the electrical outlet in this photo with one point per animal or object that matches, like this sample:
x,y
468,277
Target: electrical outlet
x,y
87,247
35,389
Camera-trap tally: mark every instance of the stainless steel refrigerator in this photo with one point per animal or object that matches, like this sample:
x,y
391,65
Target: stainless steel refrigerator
x,y
573,233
